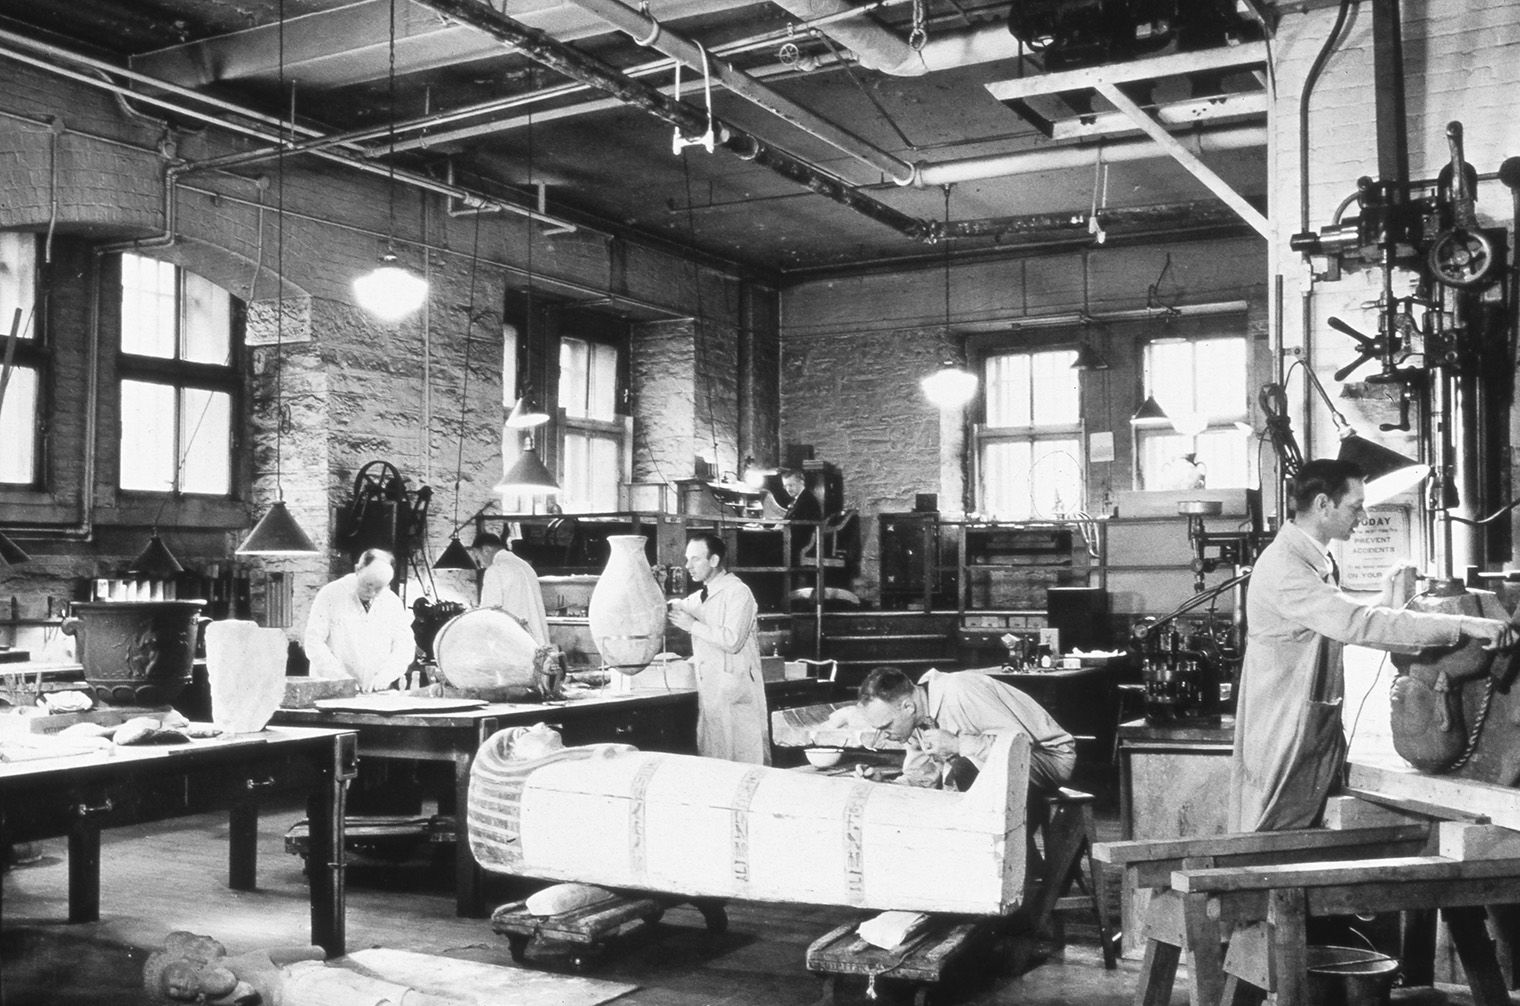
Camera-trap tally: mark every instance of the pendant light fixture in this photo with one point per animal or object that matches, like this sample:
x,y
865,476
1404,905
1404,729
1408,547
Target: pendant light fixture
x,y
950,387
156,561
527,474
277,533
456,556
391,292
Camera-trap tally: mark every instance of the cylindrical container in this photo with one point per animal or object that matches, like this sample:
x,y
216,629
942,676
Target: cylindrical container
x,y
627,610
1347,976
136,653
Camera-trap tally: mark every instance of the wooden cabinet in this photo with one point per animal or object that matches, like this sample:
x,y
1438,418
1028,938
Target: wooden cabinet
x,y
931,562
1174,783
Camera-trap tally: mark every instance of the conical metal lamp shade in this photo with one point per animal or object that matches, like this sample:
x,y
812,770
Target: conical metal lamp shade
x,y
277,533
1387,472
1150,409
156,560
1088,359
11,554
527,475
524,416
456,556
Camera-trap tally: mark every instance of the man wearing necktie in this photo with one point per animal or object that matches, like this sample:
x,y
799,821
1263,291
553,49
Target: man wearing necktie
x,y
1289,742
725,644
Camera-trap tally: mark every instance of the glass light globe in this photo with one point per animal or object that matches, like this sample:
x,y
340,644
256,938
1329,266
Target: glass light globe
x,y
390,292
950,387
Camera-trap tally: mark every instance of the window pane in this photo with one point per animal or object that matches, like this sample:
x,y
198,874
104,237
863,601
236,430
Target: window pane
x,y
1055,397
1226,457
573,358
592,473
147,307
1005,479
18,425
1031,479
1056,478
205,432
1220,387
147,436
208,322
1008,389
601,390
18,281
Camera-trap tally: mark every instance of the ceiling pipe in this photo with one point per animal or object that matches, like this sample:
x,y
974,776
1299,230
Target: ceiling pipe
x,y
571,62
877,47
182,105
648,32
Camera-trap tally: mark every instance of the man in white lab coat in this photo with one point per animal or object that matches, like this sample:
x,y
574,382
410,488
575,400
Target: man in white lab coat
x,y
1289,741
511,584
725,646
358,628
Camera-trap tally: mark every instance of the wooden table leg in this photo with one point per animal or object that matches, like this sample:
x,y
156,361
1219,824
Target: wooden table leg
x,y
1476,951
1289,950
325,858
469,878
243,846
84,872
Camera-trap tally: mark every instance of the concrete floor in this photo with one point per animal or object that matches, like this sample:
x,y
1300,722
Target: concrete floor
x,y
161,878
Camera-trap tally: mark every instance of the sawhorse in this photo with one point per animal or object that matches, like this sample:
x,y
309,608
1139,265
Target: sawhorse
x,y
1178,921
1068,835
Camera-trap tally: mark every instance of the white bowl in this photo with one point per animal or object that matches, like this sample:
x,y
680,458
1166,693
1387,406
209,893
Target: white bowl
x,y
824,757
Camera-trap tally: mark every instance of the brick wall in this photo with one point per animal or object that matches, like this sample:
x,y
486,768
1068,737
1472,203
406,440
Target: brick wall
x,y
351,390
1462,63
854,349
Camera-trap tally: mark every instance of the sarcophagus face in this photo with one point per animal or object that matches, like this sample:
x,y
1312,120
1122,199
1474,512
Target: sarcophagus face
x,y
702,827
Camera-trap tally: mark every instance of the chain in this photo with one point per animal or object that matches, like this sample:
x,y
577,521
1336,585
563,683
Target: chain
x,y
919,36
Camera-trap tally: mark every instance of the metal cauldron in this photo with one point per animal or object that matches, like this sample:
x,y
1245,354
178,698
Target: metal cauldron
x,y
136,653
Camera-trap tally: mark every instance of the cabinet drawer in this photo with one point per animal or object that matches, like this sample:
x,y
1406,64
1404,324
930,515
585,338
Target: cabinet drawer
x,y
215,787
104,803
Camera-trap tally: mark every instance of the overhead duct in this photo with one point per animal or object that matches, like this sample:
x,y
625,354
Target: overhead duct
x,y
880,48
646,31
573,63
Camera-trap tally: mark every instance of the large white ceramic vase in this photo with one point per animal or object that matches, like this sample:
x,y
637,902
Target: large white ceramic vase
x,y
627,609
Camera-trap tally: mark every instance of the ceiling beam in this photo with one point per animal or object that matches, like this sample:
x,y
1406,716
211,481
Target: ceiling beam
x,y
1177,64
1185,157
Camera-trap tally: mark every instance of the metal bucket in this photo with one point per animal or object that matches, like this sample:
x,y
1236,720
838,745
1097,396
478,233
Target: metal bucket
x,y
136,653
1350,976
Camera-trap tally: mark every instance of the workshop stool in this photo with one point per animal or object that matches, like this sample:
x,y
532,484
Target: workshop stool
x,y
1067,833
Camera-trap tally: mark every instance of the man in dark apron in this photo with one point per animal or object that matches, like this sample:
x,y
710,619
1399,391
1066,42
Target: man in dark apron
x,y
1289,744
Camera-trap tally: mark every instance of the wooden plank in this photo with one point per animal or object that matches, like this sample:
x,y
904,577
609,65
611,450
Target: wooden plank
x,y
1459,797
1254,843
1477,841
1346,813
1185,157
1394,870
1220,58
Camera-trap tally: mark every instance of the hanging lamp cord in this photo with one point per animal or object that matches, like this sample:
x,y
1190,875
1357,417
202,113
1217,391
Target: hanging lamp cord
x,y
279,263
464,385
